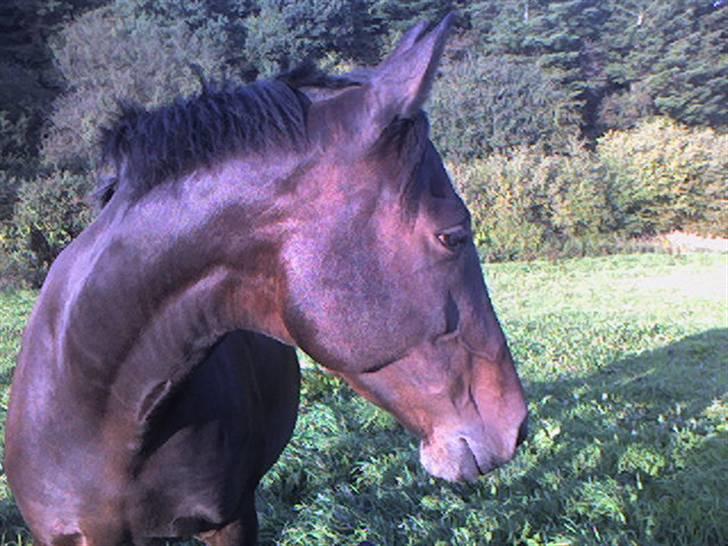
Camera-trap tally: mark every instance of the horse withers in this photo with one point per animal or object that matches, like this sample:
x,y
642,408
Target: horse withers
x,y
156,383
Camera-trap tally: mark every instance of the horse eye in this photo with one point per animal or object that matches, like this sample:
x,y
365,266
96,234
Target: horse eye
x,y
453,238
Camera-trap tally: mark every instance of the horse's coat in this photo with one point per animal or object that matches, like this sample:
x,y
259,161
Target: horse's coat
x,y
156,386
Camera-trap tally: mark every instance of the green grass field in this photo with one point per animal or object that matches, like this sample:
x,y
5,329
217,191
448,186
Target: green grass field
x,y
625,362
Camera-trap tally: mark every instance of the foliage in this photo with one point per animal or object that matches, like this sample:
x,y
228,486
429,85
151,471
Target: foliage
x,y
676,52
520,73
14,157
29,80
14,146
282,33
525,203
627,439
562,34
398,16
123,52
611,62
664,176
625,109
528,204
557,36
656,178
672,54
486,104
50,211
9,186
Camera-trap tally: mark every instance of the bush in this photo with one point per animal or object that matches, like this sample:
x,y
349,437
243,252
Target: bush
x,y
50,211
664,176
123,52
282,33
486,104
528,204
654,179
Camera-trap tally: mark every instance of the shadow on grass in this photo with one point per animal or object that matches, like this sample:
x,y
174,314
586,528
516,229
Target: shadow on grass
x,y
637,451
12,529
633,453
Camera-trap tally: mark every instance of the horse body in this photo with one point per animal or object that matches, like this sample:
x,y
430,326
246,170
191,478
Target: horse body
x,y
144,405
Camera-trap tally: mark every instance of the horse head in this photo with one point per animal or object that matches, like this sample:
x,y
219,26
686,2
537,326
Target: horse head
x,y
382,281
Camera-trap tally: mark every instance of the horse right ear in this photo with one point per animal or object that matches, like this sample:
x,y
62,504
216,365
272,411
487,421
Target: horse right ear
x,y
401,84
409,38
397,88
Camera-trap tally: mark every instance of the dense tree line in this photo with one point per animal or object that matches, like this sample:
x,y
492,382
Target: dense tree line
x,y
578,66
537,73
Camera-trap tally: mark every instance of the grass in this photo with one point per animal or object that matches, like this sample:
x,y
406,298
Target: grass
x,y
625,363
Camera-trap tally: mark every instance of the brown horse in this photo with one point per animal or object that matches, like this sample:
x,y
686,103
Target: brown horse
x,y
156,384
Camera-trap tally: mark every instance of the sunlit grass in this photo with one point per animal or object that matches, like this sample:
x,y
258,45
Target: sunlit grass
x,y
624,360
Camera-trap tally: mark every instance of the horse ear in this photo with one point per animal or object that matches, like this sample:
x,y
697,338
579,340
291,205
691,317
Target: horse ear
x,y
402,82
398,87
409,38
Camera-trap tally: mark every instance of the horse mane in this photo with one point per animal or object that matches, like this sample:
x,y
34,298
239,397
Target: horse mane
x,y
145,148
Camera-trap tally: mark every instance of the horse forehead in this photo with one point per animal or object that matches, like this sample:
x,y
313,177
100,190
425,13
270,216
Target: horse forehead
x,y
384,184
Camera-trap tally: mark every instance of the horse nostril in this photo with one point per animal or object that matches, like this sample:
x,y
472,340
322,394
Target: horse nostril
x,y
522,432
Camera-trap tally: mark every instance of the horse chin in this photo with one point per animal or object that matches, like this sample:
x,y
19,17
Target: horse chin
x,y
454,460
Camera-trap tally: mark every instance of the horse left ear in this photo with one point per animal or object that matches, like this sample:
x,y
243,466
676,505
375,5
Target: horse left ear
x,y
401,84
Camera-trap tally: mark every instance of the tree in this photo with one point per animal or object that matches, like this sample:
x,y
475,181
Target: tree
x,y
562,37
485,104
123,52
501,27
29,79
282,33
690,80
675,52
400,16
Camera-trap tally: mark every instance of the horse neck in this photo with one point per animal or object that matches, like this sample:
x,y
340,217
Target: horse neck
x,y
164,280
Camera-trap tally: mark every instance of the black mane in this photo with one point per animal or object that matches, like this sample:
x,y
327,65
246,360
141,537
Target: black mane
x,y
145,148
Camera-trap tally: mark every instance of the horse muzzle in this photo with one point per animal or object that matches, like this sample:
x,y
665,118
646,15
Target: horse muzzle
x,y
467,456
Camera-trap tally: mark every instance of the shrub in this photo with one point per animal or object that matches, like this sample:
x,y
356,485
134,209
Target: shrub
x,y
529,204
486,104
123,52
664,176
50,211
282,33
654,179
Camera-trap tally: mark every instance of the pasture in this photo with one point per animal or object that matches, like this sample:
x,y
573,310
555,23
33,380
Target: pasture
x,y
624,360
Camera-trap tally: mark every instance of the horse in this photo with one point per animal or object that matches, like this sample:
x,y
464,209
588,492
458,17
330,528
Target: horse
x,y
157,381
